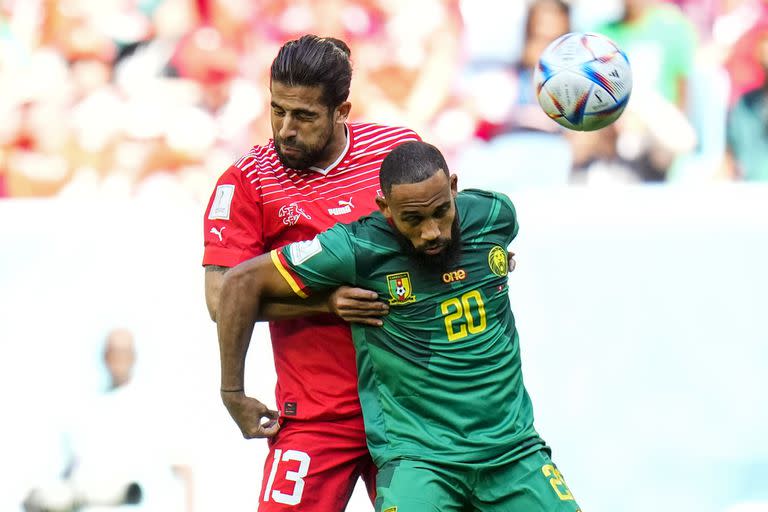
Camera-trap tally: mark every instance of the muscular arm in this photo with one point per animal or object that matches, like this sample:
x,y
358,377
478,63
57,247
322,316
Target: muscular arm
x,y
241,292
214,275
351,304
271,309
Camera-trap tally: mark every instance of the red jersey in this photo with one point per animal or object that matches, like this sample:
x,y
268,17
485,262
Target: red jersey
x,y
259,205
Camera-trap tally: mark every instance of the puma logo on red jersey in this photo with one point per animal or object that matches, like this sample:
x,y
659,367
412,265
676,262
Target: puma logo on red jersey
x,y
344,208
218,233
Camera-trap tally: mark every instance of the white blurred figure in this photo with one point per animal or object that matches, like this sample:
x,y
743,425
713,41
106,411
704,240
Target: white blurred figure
x,y
124,447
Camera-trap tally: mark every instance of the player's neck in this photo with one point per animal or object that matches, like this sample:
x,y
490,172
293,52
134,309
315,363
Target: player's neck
x,y
336,148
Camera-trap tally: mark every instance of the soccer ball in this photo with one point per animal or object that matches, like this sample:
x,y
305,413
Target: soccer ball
x,y
583,81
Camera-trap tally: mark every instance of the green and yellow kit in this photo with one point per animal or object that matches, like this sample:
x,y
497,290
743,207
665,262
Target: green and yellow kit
x,y
440,382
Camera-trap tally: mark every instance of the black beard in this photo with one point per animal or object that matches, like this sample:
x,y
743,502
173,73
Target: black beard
x,y
307,160
310,156
436,264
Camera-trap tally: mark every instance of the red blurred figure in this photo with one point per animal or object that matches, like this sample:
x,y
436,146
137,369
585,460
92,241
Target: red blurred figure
x,y
743,63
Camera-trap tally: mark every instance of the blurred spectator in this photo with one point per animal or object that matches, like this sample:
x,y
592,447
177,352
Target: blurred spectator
x,y
701,13
660,43
739,29
545,21
122,448
597,160
720,23
510,123
747,155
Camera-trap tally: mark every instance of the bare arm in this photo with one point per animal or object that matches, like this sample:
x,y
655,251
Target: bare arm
x,y
351,304
241,293
214,276
271,309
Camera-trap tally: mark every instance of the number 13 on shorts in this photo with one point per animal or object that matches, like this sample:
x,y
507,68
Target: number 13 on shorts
x,y
293,475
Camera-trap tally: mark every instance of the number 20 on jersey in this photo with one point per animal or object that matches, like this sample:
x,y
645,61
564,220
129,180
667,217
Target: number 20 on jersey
x,y
464,315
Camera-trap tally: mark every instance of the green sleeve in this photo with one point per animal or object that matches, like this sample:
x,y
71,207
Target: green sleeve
x,y
488,215
507,216
326,261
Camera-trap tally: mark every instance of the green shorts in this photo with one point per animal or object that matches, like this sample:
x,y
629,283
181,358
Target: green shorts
x,y
530,484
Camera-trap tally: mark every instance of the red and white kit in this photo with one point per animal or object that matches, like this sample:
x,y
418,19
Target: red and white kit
x,y
259,205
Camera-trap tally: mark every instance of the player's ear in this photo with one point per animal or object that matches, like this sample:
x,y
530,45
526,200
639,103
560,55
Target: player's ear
x,y
342,112
454,185
383,205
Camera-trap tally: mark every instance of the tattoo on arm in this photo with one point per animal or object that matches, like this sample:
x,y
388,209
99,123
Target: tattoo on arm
x,y
216,268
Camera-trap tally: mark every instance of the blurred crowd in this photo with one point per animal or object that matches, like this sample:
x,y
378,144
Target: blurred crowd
x,y
120,96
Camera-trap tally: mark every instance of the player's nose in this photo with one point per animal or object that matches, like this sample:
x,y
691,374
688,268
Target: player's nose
x,y
430,231
287,128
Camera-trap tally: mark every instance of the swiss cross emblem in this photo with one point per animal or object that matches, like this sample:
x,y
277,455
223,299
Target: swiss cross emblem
x,y
290,213
400,289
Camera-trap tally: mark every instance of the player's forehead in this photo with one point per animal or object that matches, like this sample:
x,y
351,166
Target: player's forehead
x,y
423,196
297,97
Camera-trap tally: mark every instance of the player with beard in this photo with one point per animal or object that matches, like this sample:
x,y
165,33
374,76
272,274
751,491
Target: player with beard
x,y
426,259
447,418
318,169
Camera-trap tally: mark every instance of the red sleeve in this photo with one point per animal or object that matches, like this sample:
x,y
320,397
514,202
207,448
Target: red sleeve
x,y
412,133
232,227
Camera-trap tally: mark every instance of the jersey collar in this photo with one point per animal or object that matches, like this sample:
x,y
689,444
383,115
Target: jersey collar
x,y
336,162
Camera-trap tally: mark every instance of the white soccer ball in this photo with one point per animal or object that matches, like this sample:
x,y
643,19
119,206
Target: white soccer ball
x,y
583,81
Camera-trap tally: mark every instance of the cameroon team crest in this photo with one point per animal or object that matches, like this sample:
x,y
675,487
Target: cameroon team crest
x,y
400,289
497,260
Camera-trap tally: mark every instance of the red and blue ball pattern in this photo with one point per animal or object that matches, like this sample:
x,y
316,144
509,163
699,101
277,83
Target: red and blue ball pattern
x,y
583,81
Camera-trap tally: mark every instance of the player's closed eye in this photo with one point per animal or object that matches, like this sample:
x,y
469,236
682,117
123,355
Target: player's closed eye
x,y
441,212
412,220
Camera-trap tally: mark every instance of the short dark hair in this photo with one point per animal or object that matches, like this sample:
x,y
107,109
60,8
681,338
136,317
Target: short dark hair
x,y
315,61
410,162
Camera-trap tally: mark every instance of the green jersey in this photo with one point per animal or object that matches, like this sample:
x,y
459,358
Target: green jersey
x,y
441,379
661,48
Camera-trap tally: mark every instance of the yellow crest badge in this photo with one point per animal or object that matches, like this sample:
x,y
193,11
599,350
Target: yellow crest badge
x,y
497,260
400,289
390,509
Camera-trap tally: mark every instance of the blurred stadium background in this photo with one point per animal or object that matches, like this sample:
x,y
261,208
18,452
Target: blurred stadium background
x,y
640,292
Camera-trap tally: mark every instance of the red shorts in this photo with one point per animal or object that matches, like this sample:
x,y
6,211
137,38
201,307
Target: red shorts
x,y
314,466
